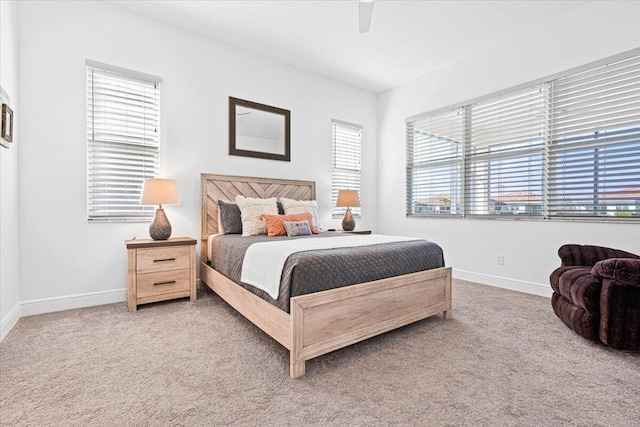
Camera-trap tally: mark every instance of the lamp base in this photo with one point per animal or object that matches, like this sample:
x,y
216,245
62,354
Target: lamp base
x,y
160,229
348,223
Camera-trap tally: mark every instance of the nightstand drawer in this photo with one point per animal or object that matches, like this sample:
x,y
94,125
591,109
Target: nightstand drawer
x,y
162,259
163,282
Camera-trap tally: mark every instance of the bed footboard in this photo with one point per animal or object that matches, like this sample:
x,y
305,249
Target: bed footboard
x,y
325,321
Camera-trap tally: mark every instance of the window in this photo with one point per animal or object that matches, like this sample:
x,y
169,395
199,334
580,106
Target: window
x,y
503,161
595,148
434,164
346,173
123,141
567,146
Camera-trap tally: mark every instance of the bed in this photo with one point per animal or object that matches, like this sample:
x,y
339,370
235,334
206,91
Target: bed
x,y
320,322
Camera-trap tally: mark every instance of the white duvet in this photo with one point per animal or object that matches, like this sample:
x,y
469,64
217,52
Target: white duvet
x,y
263,262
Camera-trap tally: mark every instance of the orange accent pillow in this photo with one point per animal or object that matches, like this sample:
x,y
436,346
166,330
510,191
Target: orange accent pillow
x,y
275,223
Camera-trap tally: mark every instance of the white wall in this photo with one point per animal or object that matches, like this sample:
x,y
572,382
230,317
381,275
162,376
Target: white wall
x,y
62,254
65,261
588,33
9,243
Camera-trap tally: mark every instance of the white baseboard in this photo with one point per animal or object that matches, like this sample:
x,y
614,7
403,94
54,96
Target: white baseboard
x,y
67,302
502,282
9,321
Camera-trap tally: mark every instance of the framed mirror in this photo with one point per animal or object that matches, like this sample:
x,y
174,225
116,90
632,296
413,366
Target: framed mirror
x,y
259,130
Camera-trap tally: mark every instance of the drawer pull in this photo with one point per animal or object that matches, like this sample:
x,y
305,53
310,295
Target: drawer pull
x,y
170,282
165,259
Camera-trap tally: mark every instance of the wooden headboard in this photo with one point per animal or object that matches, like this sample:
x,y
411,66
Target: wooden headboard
x,y
227,187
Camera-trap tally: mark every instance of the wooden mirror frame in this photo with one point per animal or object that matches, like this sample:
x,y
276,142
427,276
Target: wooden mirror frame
x,y
234,151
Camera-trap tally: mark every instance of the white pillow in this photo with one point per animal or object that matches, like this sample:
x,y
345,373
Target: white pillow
x,y
292,207
250,211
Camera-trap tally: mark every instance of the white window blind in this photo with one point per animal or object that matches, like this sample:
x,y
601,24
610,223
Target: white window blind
x,y
346,172
434,164
595,150
566,146
123,141
504,156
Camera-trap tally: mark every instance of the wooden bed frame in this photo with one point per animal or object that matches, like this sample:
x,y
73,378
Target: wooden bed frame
x,y
323,321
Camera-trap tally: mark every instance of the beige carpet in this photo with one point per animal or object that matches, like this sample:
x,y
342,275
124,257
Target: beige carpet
x,y
504,359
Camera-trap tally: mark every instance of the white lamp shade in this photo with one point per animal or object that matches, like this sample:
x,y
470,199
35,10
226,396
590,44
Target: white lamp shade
x,y
348,199
159,192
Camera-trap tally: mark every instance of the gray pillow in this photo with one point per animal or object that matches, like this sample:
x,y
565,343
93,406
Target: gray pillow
x,y
280,208
297,228
230,217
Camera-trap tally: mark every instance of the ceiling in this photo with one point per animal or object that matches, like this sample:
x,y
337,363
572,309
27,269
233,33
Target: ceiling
x,y
407,38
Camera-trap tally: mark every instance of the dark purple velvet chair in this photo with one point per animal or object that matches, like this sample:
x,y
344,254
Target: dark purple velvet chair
x,y
596,292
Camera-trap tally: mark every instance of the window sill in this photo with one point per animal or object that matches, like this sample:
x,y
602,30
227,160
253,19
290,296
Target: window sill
x,y
611,220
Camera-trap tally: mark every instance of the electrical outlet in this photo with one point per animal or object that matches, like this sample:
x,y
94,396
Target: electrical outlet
x,y
500,259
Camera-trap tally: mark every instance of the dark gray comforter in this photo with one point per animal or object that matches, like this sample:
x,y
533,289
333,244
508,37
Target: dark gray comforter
x,y
314,271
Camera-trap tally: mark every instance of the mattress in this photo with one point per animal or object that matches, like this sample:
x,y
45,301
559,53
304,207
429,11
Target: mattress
x,y
320,270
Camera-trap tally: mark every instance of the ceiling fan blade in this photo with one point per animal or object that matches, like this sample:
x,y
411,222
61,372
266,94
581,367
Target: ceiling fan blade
x,y
366,11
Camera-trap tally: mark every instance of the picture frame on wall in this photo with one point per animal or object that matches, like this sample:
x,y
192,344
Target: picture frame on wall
x,y
7,125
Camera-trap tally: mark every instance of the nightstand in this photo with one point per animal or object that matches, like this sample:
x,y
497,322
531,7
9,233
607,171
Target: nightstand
x,y
160,270
355,231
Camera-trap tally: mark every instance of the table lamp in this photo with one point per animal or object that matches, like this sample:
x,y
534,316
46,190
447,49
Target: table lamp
x,y
159,192
348,199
